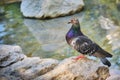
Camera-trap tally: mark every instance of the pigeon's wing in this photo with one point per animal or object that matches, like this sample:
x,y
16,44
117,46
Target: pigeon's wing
x,y
84,45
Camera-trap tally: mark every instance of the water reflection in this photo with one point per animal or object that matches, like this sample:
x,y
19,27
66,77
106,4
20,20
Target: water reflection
x,y
51,35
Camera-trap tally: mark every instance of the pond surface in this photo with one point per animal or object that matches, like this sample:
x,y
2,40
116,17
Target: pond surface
x,y
46,38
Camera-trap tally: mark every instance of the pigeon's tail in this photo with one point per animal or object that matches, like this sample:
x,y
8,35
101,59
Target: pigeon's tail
x,y
106,53
105,62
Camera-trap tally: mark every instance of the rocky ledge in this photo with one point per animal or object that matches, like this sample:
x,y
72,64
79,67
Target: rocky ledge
x,y
14,65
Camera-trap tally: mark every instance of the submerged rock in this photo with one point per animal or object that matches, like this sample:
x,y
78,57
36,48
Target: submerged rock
x,y
113,31
50,8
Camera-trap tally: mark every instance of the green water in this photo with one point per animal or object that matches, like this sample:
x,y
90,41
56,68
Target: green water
x,y
35,38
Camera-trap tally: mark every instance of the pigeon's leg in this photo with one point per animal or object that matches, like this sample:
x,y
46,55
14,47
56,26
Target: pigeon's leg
x,y
79,57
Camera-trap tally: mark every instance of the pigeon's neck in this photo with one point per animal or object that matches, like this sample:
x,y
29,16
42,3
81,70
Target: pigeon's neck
x,y
73,32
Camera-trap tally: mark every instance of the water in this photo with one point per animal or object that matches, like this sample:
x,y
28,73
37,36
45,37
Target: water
x,y
46,38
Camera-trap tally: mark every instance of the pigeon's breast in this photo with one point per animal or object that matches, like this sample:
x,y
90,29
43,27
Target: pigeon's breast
x,y
73,41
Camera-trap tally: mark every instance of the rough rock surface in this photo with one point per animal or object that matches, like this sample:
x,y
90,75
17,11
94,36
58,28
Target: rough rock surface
x,y
34,68
69,69
50,8
15,67
10,55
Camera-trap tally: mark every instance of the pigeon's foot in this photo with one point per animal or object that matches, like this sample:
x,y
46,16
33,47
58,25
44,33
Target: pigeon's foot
x,y
79,57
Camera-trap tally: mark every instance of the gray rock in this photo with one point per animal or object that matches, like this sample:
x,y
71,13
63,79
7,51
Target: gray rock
x,y
28,68
2,11
17,67
69,69
10,54
34,68
51,33
50,8
45,31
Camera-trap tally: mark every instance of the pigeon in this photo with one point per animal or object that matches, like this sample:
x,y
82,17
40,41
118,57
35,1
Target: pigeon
x,y
80,42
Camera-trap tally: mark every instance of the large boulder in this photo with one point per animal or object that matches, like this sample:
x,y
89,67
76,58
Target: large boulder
x,y
50,8
84,69
17,66
10,54
14,65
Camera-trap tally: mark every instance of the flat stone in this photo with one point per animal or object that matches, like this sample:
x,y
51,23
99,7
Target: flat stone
x,y
50,8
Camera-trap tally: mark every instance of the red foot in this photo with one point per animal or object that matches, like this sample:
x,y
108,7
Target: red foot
x,y
78,57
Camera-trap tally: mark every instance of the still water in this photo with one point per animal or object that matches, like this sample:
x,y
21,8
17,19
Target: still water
x,y
46,38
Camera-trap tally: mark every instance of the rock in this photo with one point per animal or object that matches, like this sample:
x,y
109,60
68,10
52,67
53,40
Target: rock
x,y
17,68
34,68
68,69
2,11
28,68
112,31
10,54
45,31
106,23
51,34
50,8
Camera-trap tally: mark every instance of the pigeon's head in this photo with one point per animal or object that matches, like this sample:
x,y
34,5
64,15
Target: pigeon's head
x,y
73,21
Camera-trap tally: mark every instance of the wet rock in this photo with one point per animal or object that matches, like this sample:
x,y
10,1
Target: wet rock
x,y
69,69
45,31
50,8
51,34
10,54
2,11
113,31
